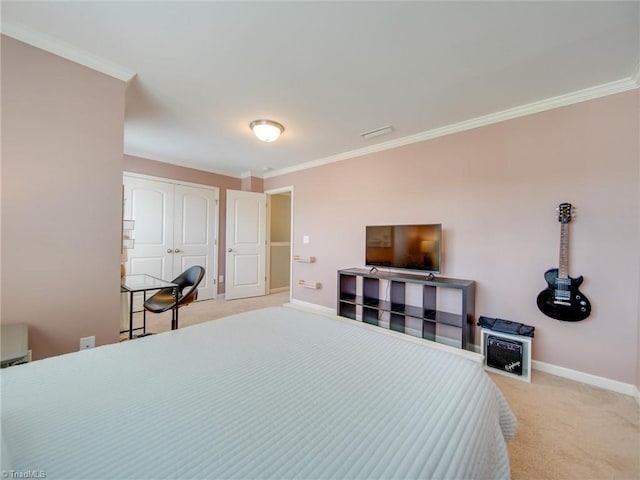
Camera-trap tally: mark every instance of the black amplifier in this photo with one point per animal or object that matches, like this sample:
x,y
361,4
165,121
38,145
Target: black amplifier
x,y
504,354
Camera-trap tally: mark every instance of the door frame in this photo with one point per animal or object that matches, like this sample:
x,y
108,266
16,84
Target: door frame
x,y
216,223
275,191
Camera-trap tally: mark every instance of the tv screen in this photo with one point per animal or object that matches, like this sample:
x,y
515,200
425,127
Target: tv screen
x,y
413,247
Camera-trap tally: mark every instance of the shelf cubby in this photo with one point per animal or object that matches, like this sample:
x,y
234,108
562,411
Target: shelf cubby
x,y
410,303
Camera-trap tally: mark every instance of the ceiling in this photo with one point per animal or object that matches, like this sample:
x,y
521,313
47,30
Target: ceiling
x,y
329,71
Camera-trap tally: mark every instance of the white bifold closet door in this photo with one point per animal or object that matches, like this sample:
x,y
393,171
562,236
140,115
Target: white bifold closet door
x,y
175,228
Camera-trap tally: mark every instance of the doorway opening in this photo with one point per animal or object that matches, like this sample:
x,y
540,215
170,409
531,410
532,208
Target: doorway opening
x,y
279,240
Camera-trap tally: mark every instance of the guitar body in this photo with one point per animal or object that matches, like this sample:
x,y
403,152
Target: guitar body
x,y
562,299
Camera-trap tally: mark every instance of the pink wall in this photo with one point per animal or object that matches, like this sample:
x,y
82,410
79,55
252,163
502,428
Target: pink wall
x,y
61,199
164,170
253,184
494,189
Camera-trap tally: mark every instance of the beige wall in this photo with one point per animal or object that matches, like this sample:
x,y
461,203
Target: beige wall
x,y
280,232
280,228
494,189
62,141
164,170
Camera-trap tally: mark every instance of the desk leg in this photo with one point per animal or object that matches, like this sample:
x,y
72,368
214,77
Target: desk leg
x,y
174,319
130,315
144,313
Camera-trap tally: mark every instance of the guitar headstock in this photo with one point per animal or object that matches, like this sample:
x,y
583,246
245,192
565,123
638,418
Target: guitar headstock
x,y
565,210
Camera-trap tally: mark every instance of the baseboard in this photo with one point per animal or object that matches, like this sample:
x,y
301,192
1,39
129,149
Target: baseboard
x,y
312,307
279,290
594,380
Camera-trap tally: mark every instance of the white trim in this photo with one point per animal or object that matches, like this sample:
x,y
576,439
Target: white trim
x,y
636,76
596,381
276,191
311,307
278,290
65,50
591,93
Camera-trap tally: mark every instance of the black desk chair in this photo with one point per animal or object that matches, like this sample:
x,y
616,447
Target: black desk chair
x,y
165,299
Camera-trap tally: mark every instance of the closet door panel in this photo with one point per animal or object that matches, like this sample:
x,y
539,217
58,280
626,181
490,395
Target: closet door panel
x,y
195,233
175,228
150,205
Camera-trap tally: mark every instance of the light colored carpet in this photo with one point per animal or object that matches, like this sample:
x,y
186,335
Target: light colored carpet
x,y
569,430
566,429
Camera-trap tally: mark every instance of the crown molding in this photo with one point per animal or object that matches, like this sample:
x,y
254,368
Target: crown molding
x,y
591,93
65,50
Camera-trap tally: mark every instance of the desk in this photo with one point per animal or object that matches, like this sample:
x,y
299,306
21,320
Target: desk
x,y
15,344
143,283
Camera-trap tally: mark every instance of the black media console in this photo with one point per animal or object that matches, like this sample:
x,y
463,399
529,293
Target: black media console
x,y
410,303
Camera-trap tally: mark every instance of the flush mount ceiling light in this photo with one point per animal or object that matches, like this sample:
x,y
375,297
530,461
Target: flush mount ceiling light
x,y
266,130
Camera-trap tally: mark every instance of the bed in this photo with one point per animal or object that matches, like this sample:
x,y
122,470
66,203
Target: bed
x,y
274,393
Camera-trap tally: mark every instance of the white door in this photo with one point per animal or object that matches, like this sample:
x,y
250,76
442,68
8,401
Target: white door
x,y
195,234
175,228
151,205
246,244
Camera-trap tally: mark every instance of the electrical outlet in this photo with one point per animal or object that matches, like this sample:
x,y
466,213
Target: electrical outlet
x,y
87,342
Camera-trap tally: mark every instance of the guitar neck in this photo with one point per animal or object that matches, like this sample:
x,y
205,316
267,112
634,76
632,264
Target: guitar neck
x,y
563,264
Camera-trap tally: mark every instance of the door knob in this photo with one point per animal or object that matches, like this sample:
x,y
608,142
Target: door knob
x,y
169,250
229,249
177,250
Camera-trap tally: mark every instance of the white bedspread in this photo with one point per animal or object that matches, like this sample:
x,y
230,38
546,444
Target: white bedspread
x,y
276,393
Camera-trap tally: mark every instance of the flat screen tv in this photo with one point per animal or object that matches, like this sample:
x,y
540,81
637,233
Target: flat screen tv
x,y
411,247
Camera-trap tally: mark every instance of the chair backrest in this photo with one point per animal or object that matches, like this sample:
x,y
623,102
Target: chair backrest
x,y
188,282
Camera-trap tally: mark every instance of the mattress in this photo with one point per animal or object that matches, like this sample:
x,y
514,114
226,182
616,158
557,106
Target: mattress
x,y
276,393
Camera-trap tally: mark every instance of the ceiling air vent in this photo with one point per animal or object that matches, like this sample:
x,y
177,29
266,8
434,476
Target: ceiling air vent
x,y
377,132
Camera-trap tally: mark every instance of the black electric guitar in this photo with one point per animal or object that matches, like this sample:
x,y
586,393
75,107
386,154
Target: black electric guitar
x,y
561,299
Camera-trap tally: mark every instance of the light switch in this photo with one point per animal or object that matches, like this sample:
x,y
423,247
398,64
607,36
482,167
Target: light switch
x,y
305,239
